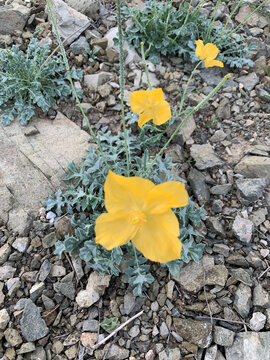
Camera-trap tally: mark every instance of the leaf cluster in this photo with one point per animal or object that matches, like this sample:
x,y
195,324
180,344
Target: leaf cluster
x,y
83,199
27,81
166,30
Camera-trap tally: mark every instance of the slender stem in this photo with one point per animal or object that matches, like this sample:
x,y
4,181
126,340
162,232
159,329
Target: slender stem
x,y
230,16
145,67
185,91
122,78
72,85
196,108
136,258
213,18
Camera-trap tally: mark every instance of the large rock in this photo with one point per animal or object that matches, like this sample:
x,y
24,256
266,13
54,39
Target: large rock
x,y
196,332
205,157
70,23
33,327
193,276
13,17
185,131
242,301
249,81
250,189
254,167
249,345
88,7
33,167
256,19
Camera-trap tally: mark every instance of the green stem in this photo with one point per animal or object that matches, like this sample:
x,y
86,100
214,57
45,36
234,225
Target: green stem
x,y
196,108
145,67
122,79
186,88
136,258
213,18
72,85
230,16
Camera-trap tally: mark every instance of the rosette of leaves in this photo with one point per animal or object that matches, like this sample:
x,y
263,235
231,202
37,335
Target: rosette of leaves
x,y
27,81
85,202
166,30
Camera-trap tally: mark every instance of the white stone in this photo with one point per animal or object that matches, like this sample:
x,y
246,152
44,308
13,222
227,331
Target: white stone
x,y
257,321
4,319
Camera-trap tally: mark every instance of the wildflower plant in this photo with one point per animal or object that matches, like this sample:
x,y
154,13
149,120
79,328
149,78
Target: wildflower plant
x,y
133,208
31,80
166,30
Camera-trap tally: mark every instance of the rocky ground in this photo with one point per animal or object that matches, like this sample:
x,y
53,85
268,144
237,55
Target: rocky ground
x,y
219,309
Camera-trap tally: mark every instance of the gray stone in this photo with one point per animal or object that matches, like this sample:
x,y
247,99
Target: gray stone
x,y
194,331
58,271
243,229
42,159
13,17
198,185
218,136
26,348
215,225
21,244
163,330
95,288
258,216
13,337
249,345
4,319
220,189
170,354
221,249
224,109
49,240
251,189
242,300
70,23
5,251
249,81
36,291
95,80
2,295
205,157
80,46
88,7
242,276
154,81
211,353
261,297
66,286
91,325
33,327
255,261
116,352
185,131
217,206
257,321
44,270
223,336
256,19
254,167
193,276
6,272
134,331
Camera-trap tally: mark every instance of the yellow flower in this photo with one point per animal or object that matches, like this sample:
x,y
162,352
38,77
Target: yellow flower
x,y
140,211
208,53
150,104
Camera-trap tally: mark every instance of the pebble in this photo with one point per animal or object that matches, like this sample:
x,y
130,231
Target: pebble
x,y
243,229
257,321
223,336
13,337
4,319
6,272
5,251
21,244
242,300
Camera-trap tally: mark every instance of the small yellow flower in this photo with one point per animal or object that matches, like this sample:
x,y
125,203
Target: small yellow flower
x,y
150,104
208,53
140,211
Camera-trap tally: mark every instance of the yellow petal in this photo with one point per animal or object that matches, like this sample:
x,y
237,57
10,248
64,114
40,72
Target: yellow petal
x,y
211,51
155,96
146,116
199,49
210,63
158,239
162,113
125,193
114,229
138,101
163,197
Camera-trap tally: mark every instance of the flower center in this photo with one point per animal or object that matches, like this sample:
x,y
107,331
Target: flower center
x,y
137,218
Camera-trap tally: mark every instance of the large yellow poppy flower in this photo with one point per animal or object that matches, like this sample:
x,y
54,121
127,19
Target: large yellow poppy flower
x,y
140,211
150,105
208,53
